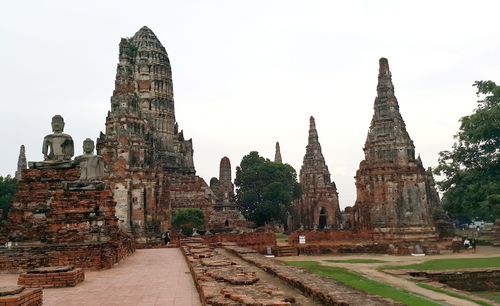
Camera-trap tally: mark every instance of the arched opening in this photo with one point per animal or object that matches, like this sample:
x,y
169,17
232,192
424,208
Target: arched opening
x,y
226,223
322,218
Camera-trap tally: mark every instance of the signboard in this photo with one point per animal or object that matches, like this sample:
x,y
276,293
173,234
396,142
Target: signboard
x,y
302,239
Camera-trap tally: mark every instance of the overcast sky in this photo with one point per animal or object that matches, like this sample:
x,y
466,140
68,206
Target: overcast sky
x,y
249,73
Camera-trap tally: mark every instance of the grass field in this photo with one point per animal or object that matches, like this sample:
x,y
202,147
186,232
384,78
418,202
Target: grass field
x,y
357,260
361,283
450,264
454,294
492,295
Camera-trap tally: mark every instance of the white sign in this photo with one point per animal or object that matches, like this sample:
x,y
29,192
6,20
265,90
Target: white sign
x,y
302,239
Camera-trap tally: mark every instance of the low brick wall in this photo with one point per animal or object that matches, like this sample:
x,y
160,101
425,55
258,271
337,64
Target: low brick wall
x,y
54,277
473,280
258,241
326,291
95,256
332,242
19,296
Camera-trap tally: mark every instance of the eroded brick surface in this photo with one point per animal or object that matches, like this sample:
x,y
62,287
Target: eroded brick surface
x,y
52,277
19,296
220,281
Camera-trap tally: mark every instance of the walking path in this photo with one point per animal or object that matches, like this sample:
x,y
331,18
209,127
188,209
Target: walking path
x,y
147,277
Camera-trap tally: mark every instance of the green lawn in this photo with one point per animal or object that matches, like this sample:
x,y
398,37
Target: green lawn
x,y
361,283
454,294
450,264
356,260
492,295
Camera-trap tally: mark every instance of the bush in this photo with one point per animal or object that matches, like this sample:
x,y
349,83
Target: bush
x,y
186,219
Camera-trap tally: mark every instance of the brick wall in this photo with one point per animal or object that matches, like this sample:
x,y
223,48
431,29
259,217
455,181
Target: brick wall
x,y
258,241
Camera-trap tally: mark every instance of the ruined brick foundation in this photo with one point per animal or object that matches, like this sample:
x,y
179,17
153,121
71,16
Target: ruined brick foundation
x,y
333,242
258,241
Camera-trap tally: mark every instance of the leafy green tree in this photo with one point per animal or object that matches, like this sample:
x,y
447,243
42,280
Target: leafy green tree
x,y
472,168
264,189
185,219
8,187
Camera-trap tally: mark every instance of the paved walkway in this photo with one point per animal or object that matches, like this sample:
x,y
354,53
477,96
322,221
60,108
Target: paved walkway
x,y
146,278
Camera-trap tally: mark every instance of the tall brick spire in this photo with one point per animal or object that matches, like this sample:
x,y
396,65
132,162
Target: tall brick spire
x,y
277,154
387,140
393,190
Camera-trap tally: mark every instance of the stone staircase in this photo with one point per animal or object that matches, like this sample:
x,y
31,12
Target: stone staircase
x,y
286,250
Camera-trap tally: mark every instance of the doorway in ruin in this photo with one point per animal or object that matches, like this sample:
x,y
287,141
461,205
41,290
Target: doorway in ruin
x,y
322,218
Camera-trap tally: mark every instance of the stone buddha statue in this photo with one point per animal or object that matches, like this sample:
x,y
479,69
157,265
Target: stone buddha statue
x,y
91,165
57,146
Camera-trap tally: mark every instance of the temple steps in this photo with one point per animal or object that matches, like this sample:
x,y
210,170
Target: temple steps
x,y
286,250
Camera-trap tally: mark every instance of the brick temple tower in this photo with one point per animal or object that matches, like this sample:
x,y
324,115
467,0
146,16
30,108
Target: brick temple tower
x,y
319,205
148,162
394,193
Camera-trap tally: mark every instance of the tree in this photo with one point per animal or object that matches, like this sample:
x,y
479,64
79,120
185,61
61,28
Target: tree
x,y
8,187
185,219
472,168
264,189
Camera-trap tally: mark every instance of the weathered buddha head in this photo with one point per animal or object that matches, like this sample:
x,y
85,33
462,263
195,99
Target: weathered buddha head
x,y
88,146
57,124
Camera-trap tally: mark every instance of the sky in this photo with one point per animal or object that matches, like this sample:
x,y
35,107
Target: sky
x,y
249,73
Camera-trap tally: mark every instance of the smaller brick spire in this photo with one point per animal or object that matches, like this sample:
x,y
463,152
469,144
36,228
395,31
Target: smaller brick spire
x,y
21,163
277,154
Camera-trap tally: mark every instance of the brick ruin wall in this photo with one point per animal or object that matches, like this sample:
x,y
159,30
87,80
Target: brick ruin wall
x,y
331,242
94,256
326,291
477,280
258,241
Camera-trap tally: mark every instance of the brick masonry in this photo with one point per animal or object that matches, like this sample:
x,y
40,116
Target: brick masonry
x,y
258,241
331,242
221,281
54,277
20,296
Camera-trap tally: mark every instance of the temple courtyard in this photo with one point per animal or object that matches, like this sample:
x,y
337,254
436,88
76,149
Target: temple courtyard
x,y
162,277
147,277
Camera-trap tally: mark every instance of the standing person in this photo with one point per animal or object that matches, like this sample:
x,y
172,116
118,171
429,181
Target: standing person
x,y
166,238
473,243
